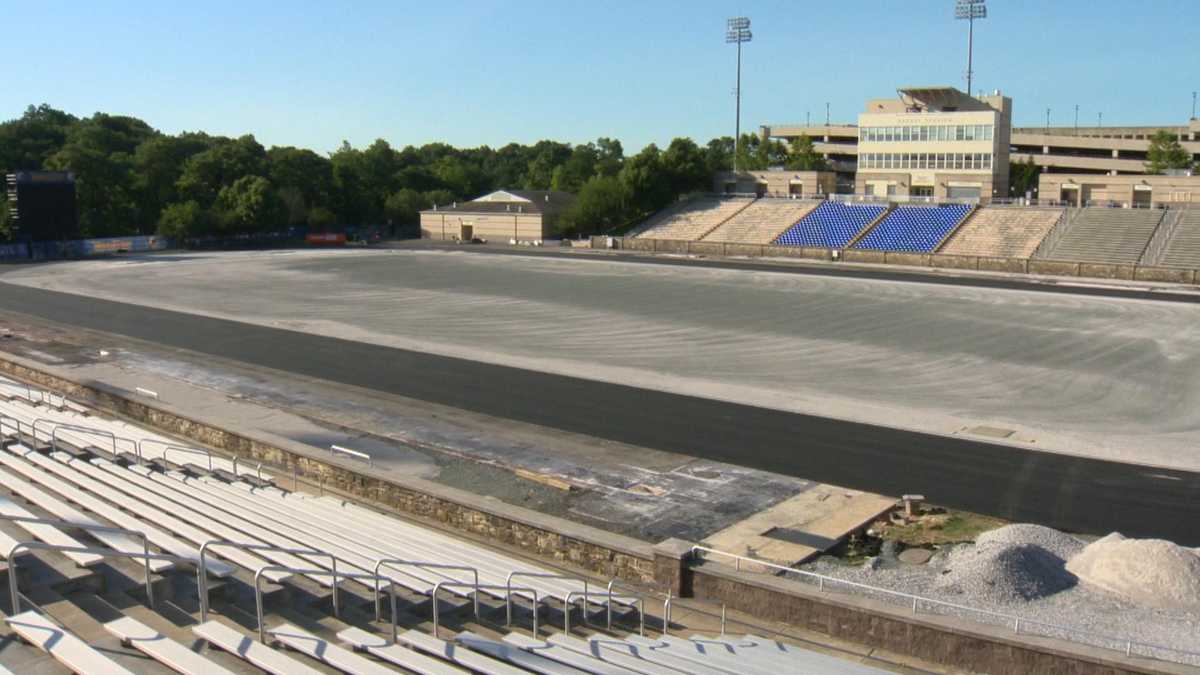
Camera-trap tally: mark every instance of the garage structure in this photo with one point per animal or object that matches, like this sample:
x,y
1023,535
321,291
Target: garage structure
x,y
522,215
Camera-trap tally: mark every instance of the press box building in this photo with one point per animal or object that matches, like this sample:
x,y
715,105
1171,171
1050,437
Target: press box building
x,y
521,215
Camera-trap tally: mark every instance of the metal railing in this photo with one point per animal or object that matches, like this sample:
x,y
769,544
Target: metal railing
x,y
202,569
167,447
1162,236
437,588
639,602
917,602
339,450
396,562
258,596
1056,233
145,554
585,594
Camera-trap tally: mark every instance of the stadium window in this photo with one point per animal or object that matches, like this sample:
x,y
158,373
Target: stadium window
x,y
941,133
924,133
987,132
987,160
969,132
959,133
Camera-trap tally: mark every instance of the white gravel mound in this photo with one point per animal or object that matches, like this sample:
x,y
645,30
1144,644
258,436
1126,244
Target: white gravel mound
x,y
1062,545
1004,573
1150,572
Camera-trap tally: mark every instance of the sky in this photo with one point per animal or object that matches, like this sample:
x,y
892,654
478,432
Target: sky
x,y
312,74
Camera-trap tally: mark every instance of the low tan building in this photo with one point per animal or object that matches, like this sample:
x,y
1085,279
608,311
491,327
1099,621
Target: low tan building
x,y
1081,189
776,183
521,215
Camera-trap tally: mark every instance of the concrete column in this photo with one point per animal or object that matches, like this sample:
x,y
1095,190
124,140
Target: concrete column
x,y
1045,149
671,570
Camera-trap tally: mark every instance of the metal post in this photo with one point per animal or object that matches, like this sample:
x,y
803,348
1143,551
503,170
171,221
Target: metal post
x,y
737,125
970,51
1076,119
722,620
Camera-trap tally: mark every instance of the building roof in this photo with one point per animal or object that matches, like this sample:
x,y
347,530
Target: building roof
x,y
511,201
934,97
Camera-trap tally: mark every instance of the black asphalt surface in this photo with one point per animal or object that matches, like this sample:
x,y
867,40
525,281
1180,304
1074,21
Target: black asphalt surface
x,y
1072,493
1086,286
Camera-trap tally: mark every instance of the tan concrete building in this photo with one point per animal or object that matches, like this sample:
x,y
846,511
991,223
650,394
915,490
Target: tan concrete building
x,y
776,183
523,215
1128,190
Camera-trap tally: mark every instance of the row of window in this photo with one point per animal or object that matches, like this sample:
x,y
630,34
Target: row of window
x,y
960,132
925,160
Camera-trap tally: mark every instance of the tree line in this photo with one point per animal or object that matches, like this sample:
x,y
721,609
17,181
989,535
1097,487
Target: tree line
x,y
133,179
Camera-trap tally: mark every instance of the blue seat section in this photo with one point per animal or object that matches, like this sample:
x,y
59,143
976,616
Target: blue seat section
x,y
916,229
830,225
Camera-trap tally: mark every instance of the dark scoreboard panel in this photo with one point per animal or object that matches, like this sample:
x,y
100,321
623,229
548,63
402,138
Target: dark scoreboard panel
x,y
45,205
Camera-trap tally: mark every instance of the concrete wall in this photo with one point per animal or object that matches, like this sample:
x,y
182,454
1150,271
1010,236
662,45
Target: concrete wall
x,y
777,182
947,641
1120,189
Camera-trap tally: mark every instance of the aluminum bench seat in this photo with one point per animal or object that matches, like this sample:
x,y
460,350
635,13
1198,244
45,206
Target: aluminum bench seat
x,y
549,650
657,652
716,654
48,534
322,650
620,655
42,475
134,633
60,509
64,647
515,655
249,649
396,654
457,654
790,656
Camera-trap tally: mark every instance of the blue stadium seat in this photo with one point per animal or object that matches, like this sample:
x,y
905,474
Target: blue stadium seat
x,y
830,225
916,229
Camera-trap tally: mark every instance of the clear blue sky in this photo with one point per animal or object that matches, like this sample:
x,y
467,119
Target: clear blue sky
x,y
488,72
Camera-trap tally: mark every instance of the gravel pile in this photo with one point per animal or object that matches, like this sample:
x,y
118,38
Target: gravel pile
x,y
1150,572
1004,573
1062,545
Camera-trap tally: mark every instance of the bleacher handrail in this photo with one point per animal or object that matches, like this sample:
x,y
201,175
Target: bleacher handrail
x,y
1163,234
1056,233
168,446
145,555
202,568
258,596
917,601
494,587
357,454
396,562
543,575
639,601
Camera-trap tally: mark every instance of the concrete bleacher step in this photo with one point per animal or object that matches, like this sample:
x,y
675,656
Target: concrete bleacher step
x,y
396,654
234,641
554,652
65,647
159,647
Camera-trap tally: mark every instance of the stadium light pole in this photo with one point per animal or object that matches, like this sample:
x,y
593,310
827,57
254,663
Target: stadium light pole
x,y
737,31
1076,119
1193,105
970,10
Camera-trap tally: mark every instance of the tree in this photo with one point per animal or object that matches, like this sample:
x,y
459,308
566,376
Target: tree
x,y
648,182
602,204
803,156
684,163
207,173
404,207
1165,153
578,167
184,220
1022,177
609,157
304,170
320,219
26,142
718,155
158,165
546,156
247,205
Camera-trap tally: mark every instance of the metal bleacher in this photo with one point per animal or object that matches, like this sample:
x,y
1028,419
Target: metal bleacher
x,y
831,225
185,520
1183,250
914,229
762,221
1100,234
1003,231
693,219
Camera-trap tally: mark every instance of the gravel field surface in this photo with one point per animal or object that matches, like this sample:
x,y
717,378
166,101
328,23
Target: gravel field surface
x,y
1111,378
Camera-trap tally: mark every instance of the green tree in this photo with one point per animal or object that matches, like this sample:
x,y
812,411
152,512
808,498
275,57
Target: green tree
x,y
578,167
205,174
26,142
248,204
305,170
403,207
1165,153
803,156
609,157
183,220
602,204
320,219
158,165
438,197
647,180
686,168
1022,177
718,155
546,156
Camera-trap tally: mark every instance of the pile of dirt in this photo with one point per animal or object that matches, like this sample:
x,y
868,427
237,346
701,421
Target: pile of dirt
x,y
1062,545
1150,572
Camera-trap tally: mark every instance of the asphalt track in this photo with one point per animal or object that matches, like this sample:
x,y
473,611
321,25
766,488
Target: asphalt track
x,y
1067,492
